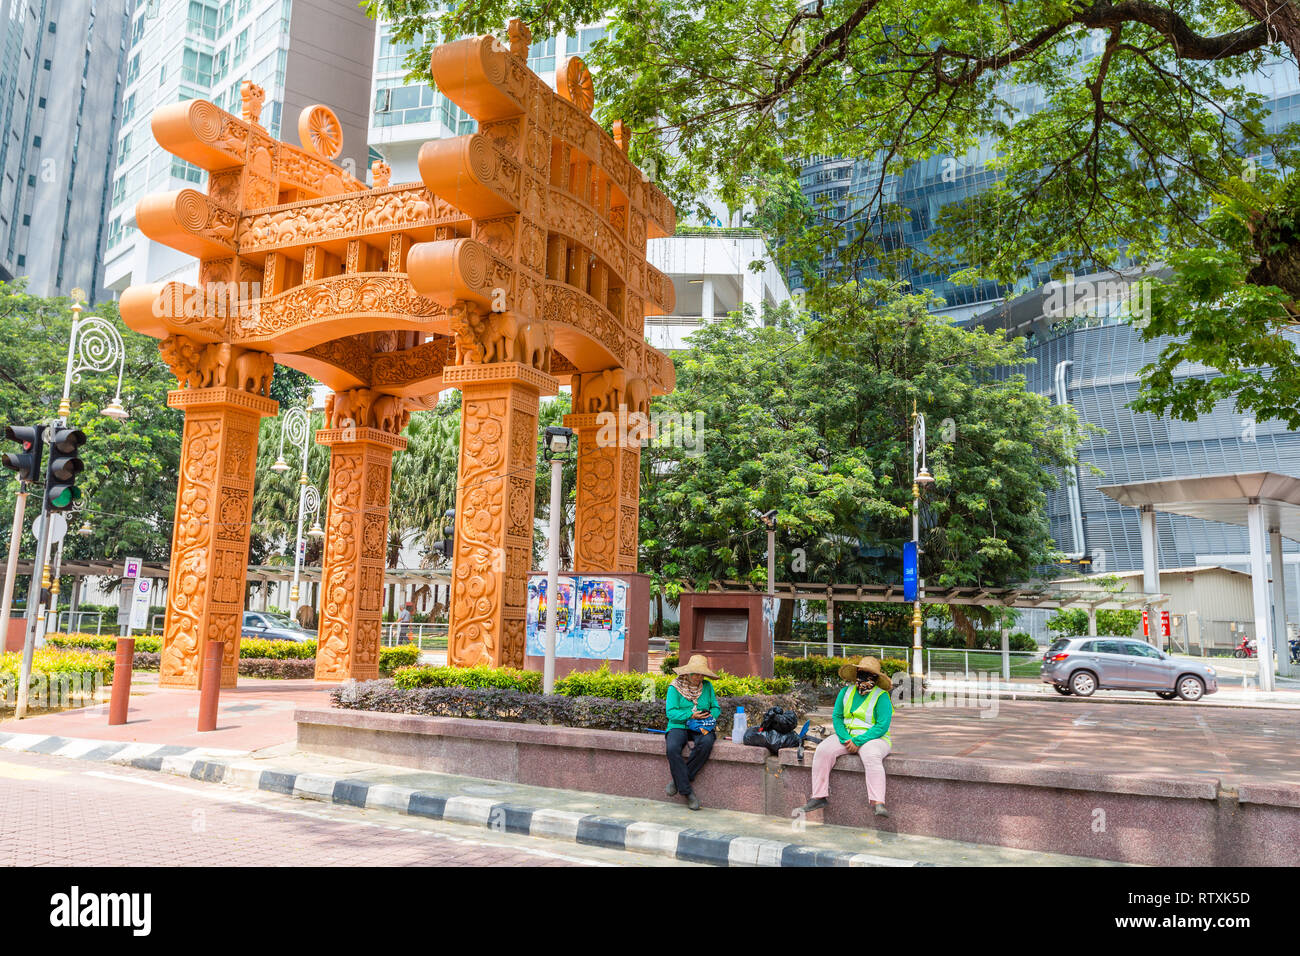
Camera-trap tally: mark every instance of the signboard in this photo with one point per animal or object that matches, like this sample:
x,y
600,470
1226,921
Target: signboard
x,y
909,571
591,620
730,627
132,568
140,603
130,594
58,526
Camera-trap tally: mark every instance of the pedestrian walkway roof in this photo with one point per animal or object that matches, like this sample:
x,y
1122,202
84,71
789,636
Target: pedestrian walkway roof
x,y
1043,596
1222,498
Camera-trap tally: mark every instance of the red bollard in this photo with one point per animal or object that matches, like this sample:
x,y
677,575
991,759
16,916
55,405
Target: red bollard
x,y
119,702
211,685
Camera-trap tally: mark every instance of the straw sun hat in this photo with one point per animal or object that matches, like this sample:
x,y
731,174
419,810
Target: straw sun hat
x,y
850,670
698,664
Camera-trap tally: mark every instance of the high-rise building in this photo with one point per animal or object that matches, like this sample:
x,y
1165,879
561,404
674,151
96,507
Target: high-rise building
x,y
709,264
62,68
300,52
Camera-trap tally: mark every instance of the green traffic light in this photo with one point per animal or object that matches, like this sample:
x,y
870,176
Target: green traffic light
x,y
65,497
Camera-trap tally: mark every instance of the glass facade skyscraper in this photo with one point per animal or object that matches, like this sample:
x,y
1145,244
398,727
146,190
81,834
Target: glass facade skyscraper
x,y
1104,356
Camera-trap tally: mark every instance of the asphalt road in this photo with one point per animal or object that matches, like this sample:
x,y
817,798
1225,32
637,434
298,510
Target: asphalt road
x,y
61,812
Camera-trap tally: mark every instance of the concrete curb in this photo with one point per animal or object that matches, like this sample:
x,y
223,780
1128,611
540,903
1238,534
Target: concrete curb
x,y
681,843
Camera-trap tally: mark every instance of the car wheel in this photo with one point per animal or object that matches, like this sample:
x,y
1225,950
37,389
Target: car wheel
x,y
1191,687
1083,683
1166,694
1063,690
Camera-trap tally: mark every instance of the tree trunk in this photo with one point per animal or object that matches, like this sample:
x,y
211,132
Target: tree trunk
x,y
659,615
963,624
1282,17
784,619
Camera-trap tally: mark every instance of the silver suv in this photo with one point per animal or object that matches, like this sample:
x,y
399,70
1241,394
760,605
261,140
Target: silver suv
x,y
1084,665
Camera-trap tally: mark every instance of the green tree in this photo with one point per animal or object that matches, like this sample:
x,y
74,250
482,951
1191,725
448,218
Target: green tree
x,y
812,417
1073,622
1142,113
129,485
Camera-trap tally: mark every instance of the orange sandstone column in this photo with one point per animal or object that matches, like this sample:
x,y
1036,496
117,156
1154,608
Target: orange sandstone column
x,y
494,510
356,543
609,489
214,504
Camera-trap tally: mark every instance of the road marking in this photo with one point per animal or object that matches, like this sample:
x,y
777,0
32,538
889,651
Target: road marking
x,y
248,800
15,771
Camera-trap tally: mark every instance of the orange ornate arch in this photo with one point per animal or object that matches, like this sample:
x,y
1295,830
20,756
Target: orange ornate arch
x,y
515,265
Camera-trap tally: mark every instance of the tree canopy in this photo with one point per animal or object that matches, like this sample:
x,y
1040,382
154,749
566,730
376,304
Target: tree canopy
x,y
812,417
1110,126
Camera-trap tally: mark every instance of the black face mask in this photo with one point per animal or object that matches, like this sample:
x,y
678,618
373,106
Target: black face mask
x,y
869,681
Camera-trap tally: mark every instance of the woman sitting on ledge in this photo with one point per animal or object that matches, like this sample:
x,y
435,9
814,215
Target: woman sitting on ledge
x,y
862,715
692,716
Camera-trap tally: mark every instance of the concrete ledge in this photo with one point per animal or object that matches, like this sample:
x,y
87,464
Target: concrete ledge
x,y
1152,819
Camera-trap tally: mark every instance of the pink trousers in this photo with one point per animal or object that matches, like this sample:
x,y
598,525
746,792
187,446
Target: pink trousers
x,y
873,754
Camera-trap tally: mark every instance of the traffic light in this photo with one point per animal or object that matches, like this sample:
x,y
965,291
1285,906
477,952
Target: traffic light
x,y
61,491
28,461
446,546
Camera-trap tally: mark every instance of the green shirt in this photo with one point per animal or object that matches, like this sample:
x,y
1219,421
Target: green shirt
x,y
680,709
881,714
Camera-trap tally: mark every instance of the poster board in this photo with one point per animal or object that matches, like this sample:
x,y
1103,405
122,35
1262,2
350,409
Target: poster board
x,y
592,620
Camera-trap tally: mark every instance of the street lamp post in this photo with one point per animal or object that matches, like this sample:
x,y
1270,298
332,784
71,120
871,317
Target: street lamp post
x,y
94,345
557,441
296,426
920,476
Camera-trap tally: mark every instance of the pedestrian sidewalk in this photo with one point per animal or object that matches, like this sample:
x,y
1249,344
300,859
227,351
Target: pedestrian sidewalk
x,y
718,837
1285,697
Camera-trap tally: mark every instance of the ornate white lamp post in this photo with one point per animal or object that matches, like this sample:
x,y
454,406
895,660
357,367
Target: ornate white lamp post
x,y
94,346
297,428
920,476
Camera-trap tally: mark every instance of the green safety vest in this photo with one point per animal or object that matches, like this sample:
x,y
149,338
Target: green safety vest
x,y
861,720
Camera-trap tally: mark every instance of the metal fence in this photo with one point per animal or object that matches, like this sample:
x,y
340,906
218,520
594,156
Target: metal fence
x,y
430,637
936,660
73,622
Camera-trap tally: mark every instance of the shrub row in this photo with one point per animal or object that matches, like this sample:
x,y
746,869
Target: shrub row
x,y
101,642
390,658
50,661
824,671
287,668
599,683
516,706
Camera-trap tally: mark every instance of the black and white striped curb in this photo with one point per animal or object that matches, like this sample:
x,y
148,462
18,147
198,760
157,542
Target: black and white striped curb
x,y
143,755
681,843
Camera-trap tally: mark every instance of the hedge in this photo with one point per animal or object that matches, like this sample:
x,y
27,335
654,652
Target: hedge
x,y
55,673
599,683
824,671
515,706
101,642
288,668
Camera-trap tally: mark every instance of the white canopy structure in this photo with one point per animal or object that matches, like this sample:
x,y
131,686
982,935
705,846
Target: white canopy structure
x,y
1260,501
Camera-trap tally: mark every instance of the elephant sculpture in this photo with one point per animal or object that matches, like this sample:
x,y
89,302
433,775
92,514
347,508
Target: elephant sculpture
x,y
253,372
603,391
533,345
350,408
390,413
214,365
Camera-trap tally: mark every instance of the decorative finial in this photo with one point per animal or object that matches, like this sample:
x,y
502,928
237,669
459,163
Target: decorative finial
x,y
520,38
622,135
381,172
252,95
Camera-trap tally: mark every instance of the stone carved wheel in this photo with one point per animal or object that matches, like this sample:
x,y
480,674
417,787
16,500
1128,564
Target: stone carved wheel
x,y
320,132
573,82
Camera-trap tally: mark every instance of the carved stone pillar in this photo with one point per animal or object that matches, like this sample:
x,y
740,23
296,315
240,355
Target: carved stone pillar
x,y
609,490
494,510
214,503
356,545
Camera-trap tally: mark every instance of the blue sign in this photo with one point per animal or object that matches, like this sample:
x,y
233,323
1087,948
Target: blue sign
x,y
909,571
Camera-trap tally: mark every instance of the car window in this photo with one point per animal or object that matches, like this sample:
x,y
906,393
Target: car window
x,y
1058,645
1109,647
251,620
1138,649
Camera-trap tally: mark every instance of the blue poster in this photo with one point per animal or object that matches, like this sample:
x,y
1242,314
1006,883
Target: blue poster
x,y
592,621
909,571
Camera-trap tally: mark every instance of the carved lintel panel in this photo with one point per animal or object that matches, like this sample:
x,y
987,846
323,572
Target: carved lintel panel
x,y
356,540
494,512
205,593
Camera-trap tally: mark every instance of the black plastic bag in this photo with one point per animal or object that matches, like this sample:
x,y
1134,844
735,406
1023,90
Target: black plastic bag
x,y
780,720
773,740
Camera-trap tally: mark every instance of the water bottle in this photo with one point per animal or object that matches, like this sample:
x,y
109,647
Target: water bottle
x,y
739,726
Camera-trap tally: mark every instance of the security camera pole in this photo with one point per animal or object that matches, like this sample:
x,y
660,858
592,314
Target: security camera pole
x,y
558,439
